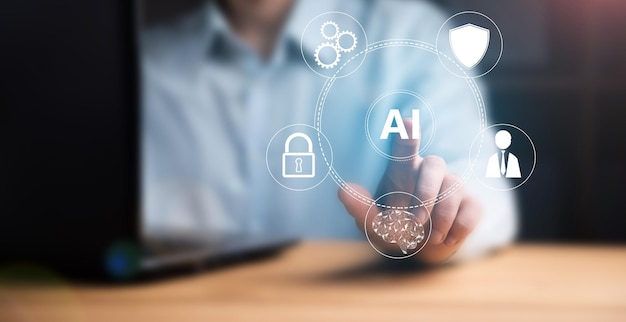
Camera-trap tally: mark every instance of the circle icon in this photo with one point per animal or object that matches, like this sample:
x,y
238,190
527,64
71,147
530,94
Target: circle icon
x,y
480,118
330,43
507,159
294,157
473,42
380,117
397,221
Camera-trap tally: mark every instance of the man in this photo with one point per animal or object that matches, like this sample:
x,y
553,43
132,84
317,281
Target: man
x,y
222,81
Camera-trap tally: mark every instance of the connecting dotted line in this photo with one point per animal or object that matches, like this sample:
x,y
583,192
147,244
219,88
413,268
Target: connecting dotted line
x,y
320,108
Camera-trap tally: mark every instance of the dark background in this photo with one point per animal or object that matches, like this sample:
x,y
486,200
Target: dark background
x,y
562,79
68,148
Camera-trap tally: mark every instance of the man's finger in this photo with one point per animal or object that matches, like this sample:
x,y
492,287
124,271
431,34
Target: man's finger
x,y
444,212
400,175
431,173
356,208
404,148
465,221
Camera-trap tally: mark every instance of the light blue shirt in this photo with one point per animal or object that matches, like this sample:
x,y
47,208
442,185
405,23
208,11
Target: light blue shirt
x,y
211,105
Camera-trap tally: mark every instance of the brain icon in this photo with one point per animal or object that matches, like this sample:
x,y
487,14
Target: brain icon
x,y
399,227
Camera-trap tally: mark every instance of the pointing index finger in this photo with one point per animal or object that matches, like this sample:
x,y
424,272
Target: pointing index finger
x,y
401,175
405,148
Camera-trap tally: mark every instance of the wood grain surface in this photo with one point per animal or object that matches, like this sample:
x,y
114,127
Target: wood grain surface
x,y
347,281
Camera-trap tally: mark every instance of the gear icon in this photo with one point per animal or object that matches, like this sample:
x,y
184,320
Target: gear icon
x,y
351,35
335,32
323,64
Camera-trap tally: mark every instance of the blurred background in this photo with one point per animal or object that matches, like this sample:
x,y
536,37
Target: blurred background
x,y
563,80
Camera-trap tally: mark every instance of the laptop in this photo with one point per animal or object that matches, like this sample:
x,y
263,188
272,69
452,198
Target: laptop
x,y
69,148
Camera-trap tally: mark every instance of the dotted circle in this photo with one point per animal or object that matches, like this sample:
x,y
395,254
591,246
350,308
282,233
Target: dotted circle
x,y
402,43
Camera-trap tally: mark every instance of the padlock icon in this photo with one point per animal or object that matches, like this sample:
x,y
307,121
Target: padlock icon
x,y
298,164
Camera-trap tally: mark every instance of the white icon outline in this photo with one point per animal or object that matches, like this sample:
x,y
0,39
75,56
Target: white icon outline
x,y
469,43
375,204
504,164
335,45
354,41
423,145
443,58
342,72
273,158
329,23
319,61
481,178
288,153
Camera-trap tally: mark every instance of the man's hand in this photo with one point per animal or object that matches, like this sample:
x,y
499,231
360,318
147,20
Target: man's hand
x,y
453,219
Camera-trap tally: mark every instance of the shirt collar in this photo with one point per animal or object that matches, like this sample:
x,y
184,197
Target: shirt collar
x,y
222,40
302,12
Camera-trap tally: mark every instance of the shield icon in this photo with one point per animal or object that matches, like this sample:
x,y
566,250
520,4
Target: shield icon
x,y
469,44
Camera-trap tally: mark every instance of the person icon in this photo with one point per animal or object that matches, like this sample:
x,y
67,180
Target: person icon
x,y
503,164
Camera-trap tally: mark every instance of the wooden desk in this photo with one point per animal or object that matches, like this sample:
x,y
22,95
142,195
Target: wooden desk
x,y
346,282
